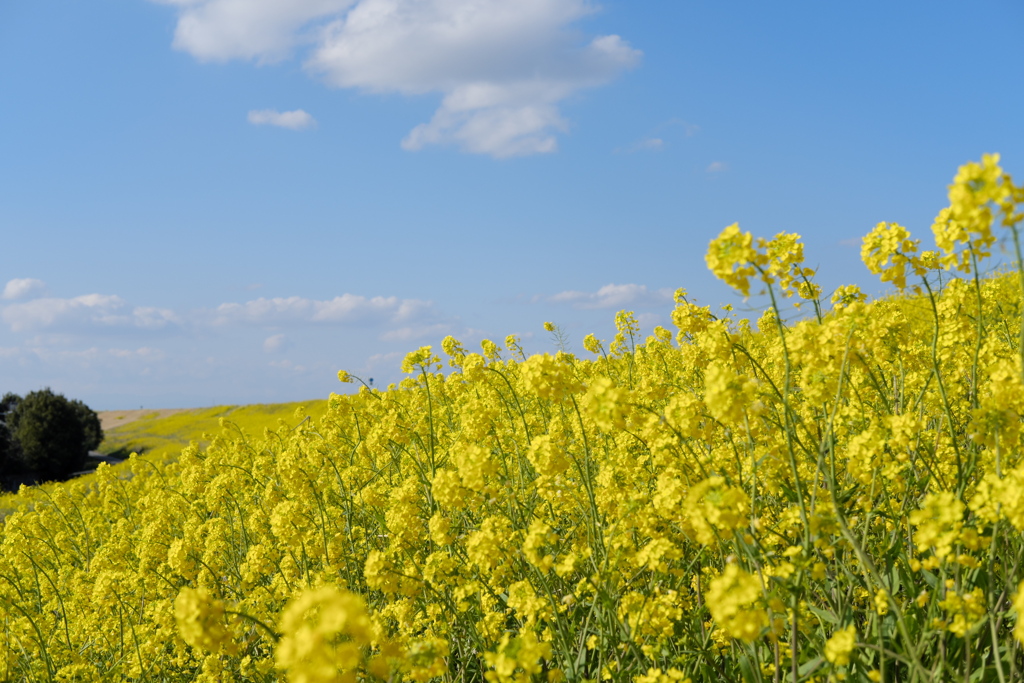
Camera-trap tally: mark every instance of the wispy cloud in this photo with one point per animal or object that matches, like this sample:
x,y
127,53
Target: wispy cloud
x,y
107,339
657,139
379,359
717,167
501,68
344,309
689,129
645,145
612,296
94,312
275,343
103,313
288,365
293,120
410,333
91,355
144,352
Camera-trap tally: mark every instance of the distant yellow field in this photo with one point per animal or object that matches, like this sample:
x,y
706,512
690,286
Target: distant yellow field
x,y
161,434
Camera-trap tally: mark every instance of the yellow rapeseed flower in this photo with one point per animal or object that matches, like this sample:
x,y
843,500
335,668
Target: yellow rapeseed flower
x,y
733,599
200,618
839,647
324,632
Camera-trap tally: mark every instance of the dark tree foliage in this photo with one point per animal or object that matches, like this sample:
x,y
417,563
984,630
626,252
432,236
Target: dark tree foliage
x,y
8,403
10,452
49,430
90,424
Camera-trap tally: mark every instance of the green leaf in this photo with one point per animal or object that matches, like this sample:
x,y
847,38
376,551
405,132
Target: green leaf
x,y
808,667
747,670
824,615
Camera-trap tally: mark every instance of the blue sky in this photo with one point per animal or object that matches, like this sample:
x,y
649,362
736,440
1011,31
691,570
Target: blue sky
x,y
227,201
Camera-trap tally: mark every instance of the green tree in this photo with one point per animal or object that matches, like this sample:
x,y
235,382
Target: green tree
x,y
90,424
50,433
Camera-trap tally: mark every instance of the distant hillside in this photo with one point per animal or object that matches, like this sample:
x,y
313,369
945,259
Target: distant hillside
x,y
162,433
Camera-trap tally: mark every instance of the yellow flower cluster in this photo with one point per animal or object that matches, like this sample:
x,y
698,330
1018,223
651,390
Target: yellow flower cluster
x,y
834,498
977,192
840,645
732,598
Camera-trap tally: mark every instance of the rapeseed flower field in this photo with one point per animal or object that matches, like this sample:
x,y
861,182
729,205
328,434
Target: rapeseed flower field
x,y
835,498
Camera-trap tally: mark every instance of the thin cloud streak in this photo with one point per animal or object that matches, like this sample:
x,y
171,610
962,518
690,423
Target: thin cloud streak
x,y
344,309
90,311
612,296
293,120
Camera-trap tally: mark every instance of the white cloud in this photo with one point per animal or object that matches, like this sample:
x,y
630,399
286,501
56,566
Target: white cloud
x,y
717,167
264,30
274,343
500,131
87,312
347,308
613,296
403,334
501,67
92,313
22,288
293,120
